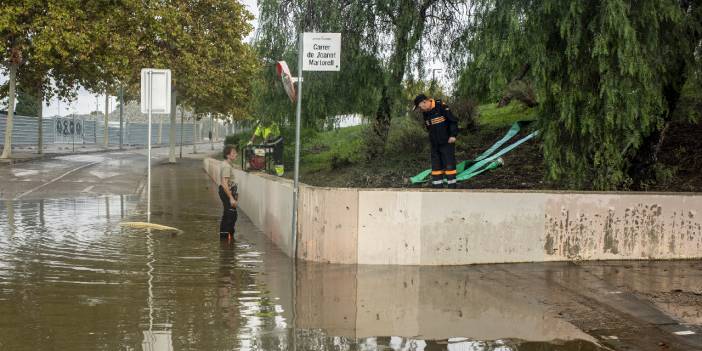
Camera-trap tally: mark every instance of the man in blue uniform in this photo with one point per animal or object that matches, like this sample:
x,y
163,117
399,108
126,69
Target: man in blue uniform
x,y
443,130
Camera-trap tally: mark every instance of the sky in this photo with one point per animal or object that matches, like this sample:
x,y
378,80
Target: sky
x,y
87,102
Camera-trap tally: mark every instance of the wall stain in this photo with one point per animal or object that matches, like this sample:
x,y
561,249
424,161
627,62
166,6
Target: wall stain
x,y
644,230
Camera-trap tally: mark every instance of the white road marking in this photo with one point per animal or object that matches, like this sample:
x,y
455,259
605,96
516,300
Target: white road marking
x,y
88,189
54,180
24,172
104,175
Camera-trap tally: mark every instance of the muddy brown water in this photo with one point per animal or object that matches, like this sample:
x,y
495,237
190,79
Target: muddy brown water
x,y
72,279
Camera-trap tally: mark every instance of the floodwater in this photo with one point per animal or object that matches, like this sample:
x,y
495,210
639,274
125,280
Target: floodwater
x,y
72,279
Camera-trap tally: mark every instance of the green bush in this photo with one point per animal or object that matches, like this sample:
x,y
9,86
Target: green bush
x,y
372,144
239,139
466,112
407,136
346,152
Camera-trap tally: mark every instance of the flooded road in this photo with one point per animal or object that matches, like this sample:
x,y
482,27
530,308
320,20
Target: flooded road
x,y
72,279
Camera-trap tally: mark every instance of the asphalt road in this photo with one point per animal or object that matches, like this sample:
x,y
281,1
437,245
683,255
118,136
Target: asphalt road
x,y
112,173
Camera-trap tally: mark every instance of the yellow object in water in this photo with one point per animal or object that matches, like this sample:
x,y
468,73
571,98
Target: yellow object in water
x,y
147,225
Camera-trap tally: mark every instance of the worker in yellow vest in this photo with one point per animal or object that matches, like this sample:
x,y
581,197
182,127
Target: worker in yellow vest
x,y
269,134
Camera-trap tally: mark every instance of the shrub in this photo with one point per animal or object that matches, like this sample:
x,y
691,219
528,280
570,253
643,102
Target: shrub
x,y
239,139
372,144
346,151
523,92
407,136
467,112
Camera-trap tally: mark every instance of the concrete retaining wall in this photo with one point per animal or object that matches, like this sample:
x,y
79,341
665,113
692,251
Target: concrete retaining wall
x,y
425,227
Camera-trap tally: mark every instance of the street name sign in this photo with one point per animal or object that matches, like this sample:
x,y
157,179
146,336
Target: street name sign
x,y
321,52
160,84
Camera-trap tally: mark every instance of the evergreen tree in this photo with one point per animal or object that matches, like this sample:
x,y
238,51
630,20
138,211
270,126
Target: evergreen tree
x,y
26,103
607,73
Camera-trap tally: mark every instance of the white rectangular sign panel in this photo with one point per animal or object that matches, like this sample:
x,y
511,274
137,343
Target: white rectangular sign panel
x,y
160,90
321,51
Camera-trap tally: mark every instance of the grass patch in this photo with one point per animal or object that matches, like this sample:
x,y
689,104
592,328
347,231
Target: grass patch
x,y
493,117
333,149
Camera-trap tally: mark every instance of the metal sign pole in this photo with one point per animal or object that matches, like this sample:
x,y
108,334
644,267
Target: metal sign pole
x,y
298,113
148,153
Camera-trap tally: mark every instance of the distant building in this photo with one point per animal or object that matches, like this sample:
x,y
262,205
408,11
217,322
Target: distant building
x,y
342,121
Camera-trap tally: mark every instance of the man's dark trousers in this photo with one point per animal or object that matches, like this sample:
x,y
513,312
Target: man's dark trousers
x,y
443,163
229,215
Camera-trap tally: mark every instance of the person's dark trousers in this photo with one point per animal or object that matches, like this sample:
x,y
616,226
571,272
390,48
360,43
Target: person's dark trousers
x,y
229,215
443,163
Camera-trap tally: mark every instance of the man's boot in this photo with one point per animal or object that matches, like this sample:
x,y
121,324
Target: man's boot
x,y
451,179
437,179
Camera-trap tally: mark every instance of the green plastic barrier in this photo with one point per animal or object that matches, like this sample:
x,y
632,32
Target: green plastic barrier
x,y
424,176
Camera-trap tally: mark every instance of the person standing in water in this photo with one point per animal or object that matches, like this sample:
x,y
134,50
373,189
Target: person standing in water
x,y
228,193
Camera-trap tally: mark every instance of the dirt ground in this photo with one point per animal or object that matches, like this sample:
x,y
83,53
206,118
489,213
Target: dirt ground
x,y
523,167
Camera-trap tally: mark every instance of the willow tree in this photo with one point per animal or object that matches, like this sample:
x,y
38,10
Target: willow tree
x,y
354,89
608,75
383,43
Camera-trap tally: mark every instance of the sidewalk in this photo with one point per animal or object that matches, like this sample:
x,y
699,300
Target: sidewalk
x,y
29,153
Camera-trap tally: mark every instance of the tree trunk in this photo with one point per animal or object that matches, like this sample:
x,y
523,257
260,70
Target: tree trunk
x,y
194,135
182,112
408,30
508,96
106,140
211,134
642,170
7,149
172,129
121,116
40,123
381,124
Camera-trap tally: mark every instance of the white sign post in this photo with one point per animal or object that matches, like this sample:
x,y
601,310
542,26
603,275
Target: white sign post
x,y
155,97
316,52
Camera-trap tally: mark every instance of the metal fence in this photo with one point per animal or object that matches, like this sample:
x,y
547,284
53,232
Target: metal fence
x,y
70,130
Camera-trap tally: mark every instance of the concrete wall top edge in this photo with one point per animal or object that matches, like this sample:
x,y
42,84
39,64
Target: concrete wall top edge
x,y
545,192
497,191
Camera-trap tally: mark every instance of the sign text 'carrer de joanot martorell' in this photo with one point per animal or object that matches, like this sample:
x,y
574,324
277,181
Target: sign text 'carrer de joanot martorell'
x,y
321,51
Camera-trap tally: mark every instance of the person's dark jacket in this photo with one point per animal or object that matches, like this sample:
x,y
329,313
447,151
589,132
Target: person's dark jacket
x,y
440,123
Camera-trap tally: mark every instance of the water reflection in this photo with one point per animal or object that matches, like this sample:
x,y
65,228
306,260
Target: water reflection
x,y
432,302
159,340
72,279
